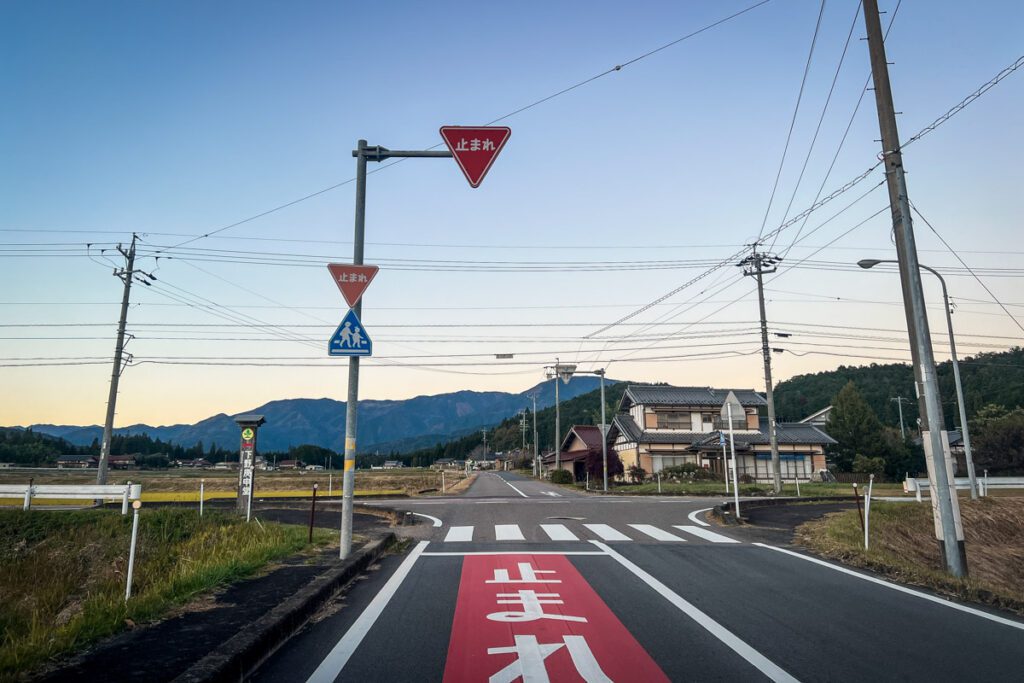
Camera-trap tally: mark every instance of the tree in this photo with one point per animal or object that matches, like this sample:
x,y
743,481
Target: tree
x,y
854,425
999,443
595,465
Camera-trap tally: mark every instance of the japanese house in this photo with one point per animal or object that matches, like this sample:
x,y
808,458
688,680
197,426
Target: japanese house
x,y
661,426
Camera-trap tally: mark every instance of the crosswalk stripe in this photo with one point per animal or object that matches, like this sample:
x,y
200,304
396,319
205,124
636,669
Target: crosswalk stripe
x,y
459,534
705,534
607,533
508,532
656,533
558,532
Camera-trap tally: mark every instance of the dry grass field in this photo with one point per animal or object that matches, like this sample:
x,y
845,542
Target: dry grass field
x,y
903,545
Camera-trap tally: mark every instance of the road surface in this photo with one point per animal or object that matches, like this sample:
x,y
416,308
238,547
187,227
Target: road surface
x,y
521,580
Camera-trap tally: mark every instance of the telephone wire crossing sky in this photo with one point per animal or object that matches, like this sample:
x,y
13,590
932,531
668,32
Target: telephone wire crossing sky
x,y
475,149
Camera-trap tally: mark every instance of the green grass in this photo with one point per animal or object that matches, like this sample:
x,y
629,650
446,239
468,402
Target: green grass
x,y
62,574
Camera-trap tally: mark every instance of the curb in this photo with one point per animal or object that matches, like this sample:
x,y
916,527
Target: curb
x,y
238,657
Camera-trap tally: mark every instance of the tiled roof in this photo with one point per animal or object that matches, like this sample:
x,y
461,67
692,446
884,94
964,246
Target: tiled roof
x,y
588,434
686,396
787,432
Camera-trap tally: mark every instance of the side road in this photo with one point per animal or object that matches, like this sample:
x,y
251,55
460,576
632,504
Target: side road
x,y
225,635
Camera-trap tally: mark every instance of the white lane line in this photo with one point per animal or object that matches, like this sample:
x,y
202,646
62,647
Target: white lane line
x,y
339,655
435,520
459,534
511,552
607,533
508,532
705,534
513,487
656,533
901,589
769,668
693,517
558,532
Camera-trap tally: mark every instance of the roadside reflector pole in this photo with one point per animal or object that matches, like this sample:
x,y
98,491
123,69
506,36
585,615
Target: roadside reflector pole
x,y
131,553
202,483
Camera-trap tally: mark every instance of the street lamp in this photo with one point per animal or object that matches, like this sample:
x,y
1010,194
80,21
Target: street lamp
x,y
555,372
871,263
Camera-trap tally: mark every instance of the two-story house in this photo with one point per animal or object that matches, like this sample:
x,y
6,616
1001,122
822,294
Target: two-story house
x,y
660,426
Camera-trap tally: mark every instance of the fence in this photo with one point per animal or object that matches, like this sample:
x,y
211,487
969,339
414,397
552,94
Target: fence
x,y
26,492
916,484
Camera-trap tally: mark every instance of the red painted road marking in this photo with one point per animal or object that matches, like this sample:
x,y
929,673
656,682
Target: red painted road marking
x,y
534,618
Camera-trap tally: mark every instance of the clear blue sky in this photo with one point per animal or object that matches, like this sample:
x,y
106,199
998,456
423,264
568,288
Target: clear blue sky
x,y
173,119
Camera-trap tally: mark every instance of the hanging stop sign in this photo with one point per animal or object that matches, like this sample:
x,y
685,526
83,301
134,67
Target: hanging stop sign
x,y
475,149
352,280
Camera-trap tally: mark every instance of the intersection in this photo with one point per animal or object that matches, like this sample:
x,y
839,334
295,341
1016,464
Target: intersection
x,y
521,580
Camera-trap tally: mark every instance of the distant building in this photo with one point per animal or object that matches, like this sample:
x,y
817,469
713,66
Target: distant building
x,y
76,462
579,444
291,465
314,468
122,462
818,419
393,464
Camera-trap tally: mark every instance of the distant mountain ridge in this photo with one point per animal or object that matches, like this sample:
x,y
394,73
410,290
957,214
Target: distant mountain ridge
x,y
401,426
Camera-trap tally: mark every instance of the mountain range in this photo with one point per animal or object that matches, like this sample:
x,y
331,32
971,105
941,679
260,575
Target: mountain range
x,y
384,426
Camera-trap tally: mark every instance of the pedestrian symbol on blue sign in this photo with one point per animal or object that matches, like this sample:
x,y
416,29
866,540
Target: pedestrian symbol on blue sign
x,y
350,339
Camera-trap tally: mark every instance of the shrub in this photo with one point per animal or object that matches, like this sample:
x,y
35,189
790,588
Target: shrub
x,y
746,479
865,465
688,472
637,474
562,477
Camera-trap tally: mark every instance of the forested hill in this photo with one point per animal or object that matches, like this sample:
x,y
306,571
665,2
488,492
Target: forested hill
x,y
987,378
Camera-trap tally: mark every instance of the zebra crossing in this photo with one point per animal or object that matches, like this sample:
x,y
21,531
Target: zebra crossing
x,y
586,532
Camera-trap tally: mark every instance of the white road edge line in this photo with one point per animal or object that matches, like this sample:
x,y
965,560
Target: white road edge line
x,y
339,655
513,487
901,589
756,659
700,522
435,520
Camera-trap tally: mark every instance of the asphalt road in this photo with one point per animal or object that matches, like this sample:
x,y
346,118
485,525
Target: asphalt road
x,y
520,580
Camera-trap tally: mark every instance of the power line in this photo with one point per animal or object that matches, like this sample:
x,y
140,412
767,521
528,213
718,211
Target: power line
x,y
792,121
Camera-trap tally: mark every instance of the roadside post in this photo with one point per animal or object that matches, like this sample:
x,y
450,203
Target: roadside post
x,y
733,404
856,498
443,489
250,425
131,553
725,459
867,509
474,149
202,486
312,512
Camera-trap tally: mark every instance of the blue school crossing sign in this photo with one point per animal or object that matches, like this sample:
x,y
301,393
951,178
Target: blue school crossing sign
x,y
350,339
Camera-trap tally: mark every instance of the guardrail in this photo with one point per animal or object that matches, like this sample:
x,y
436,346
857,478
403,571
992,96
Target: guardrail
x,y
26,492
916,484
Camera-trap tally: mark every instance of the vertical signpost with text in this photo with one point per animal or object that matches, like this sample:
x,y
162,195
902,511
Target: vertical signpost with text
x,y
249,424
475,150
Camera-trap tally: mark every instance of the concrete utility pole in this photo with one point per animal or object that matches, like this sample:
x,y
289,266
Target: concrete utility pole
x,y
964,433
565,373
899,404
756,265
536,451
945,506
126,276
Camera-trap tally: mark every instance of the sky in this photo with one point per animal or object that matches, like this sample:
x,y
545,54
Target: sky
x,y
175,120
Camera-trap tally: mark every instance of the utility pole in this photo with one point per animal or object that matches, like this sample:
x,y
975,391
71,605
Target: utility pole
x,y
522,427
536,451
126,276
899,404
756,265
484,432
945,506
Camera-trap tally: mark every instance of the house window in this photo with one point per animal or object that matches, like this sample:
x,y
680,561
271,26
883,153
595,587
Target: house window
x,y
674,420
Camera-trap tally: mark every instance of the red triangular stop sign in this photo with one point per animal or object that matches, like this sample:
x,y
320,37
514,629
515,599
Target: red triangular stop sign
x,y
352,280
475,149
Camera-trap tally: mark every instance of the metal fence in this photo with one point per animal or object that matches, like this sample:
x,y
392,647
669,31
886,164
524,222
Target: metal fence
x,y
27,492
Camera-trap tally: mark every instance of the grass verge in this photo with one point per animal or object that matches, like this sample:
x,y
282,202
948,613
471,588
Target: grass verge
x,y
62,574
903,547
